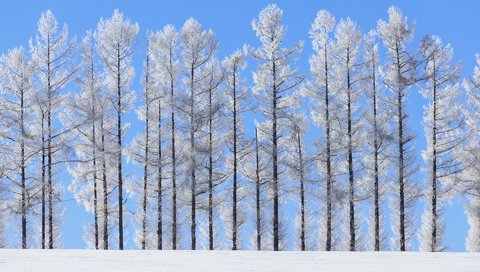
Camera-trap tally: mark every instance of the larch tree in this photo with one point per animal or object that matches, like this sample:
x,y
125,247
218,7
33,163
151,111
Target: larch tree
x,y
213,75
325,114
53,54
298,168
237,143
115,38
197,48
470,159
399,73
17,103
444,129
274,80
141,150
165,56
82,116
377,140
347,81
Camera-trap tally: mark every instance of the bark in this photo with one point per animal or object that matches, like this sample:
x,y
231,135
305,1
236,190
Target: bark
x,y
276,235
174,162
210,173
193,161
257,194
434,163
22,169
159,182
302,194
105,189
350,159
145,165
234,191
119,147
328,244
376,155
401,151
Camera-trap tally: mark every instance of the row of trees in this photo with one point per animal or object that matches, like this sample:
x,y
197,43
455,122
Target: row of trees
x,y
210,176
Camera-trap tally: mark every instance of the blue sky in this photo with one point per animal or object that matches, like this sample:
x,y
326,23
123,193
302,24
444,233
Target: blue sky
x,y
455,21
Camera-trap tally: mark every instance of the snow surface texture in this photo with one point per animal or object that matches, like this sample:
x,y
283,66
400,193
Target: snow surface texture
x,y
230,261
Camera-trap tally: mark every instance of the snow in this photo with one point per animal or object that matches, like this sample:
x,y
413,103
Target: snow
x,y
12,260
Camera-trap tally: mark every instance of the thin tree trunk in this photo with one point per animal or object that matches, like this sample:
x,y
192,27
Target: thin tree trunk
x,y
350,160
210,172
257,193
434,163
276,234
174,162
145,175
401,157
302,194
328,245
145,165
43,181
23,177
376,168
193,163
105,188
234,191
160,179
119,158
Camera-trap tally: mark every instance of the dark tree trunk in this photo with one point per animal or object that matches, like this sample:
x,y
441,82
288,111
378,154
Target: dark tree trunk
x,y
159,182
328,245
23,175
119,158
376,155
401,151
302,194
276,234
234,191
210,173
257,193
193,162
350,160
174,163
105,188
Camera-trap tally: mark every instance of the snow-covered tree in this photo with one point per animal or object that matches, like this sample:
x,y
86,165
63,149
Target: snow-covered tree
x,y
274,81
165,56
471,161
325,114
86,111
237,143
197,48
298,168
141,151
17,103
53,54
213,76
347,79
115,38
444,129
399,74
378,140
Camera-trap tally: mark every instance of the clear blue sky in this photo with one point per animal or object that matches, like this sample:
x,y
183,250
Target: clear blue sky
x,y
455,21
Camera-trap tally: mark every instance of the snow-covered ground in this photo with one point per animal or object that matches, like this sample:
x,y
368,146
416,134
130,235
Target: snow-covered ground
x,y
229,261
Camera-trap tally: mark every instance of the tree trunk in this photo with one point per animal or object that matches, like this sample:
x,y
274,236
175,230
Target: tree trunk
x,y
350,159
174,163
159,181
193,162
257,194
119,158
234,191
302,194
328,244
276,234
105,188
210,173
